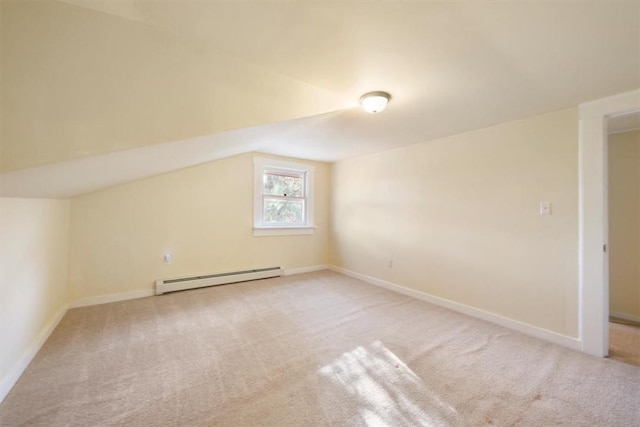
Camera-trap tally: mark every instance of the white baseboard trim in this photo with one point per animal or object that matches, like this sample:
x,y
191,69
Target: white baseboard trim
x,y
525,328
104,299
19,367
301,270
625,316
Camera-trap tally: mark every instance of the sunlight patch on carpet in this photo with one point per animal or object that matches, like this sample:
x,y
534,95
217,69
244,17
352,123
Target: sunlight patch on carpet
x,y
386,389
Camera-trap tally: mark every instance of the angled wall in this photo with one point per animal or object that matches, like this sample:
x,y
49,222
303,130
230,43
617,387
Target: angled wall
x,y
77,82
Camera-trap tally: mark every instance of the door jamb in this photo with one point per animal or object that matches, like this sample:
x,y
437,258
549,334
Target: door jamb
x,y
593,228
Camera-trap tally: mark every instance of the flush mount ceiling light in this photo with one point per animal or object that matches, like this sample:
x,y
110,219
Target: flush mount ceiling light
x,y
374,102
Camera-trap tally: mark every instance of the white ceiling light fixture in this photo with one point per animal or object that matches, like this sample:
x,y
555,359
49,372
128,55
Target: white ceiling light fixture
x,y
374,102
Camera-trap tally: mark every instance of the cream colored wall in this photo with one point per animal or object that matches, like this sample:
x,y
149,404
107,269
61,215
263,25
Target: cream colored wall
x,y
624,223
34,236
77,83
203,215
459,217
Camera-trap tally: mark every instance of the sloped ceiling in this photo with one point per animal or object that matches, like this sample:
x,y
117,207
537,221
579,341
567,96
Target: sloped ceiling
x,y
100,91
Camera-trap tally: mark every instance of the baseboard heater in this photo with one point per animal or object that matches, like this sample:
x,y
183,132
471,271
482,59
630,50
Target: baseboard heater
x,y
173,285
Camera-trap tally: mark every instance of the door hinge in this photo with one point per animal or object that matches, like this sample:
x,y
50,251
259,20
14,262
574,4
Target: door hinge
x,y
604,248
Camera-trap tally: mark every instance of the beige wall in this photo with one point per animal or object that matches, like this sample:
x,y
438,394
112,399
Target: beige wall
x,y
34,238
624,223
459,217
203,215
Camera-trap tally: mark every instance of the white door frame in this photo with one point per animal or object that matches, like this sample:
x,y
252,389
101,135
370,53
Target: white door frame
x,y
593,261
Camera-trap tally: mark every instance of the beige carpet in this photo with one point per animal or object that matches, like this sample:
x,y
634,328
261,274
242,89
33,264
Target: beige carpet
x,y
318,349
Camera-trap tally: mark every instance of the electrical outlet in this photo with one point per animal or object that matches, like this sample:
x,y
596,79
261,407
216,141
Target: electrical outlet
x,y
167,258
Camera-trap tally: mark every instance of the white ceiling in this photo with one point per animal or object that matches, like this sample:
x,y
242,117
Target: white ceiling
x,y
451,67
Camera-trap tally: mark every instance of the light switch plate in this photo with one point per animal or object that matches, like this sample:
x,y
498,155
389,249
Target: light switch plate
x,y
545,208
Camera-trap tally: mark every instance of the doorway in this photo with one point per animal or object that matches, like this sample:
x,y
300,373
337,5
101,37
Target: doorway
x,y
623,217
593,226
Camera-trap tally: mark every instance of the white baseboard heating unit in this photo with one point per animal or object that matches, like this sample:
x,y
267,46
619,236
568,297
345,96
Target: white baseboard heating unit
x,y
173,285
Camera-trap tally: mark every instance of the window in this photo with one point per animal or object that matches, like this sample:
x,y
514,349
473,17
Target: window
x,y
283,197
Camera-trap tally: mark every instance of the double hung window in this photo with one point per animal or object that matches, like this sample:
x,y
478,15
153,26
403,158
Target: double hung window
x,y
282,197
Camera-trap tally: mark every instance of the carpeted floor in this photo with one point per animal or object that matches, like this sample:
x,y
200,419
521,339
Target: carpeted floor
x,y
317,349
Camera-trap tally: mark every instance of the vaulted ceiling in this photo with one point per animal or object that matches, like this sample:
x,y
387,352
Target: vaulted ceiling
x,y
99,92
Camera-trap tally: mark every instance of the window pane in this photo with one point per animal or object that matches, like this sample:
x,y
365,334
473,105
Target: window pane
x,y
283,185
278,211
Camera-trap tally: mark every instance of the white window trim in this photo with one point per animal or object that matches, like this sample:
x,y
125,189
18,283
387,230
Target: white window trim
x,y
261,229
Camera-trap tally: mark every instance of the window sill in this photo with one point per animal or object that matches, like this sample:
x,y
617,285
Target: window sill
x,y
283,231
